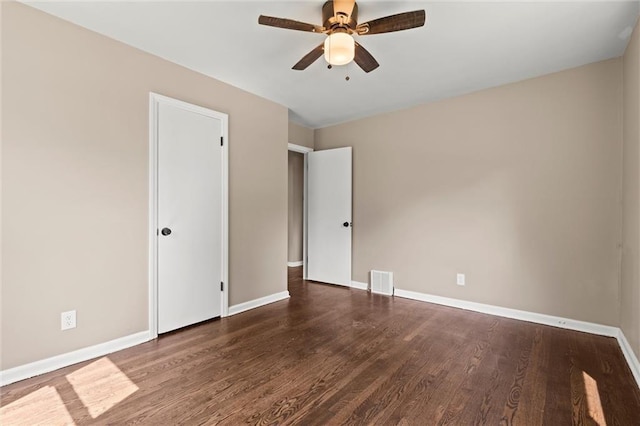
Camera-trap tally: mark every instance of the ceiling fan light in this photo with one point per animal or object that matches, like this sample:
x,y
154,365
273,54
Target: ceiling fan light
x,y
339,49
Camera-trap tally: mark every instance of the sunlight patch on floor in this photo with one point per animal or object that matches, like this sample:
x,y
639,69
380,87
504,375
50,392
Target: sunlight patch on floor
x,y
594,406
101,385
42,407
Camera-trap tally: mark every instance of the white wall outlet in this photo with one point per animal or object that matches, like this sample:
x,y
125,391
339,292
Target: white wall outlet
x,y
460,279
68,320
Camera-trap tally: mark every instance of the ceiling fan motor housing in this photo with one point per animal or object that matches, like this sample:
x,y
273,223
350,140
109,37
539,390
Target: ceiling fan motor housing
x,y
332,18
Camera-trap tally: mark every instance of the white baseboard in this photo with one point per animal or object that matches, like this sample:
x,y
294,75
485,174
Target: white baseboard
x,y
359,285
571,324
64,360
630,356
256,303
294,264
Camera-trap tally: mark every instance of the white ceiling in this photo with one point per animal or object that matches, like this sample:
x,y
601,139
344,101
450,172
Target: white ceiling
x,y
464,46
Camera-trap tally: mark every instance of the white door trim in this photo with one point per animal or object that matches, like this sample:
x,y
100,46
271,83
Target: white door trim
x,y
154,101
303,150
299,148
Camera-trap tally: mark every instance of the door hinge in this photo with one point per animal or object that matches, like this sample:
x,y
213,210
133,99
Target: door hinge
x,y
221,286
221,140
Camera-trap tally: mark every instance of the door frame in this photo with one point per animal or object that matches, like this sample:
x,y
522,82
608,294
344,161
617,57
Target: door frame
x,y
303,150
154,102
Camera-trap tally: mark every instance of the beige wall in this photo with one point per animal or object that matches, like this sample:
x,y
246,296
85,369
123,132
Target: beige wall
x,y
296,186
75,191
1,235
518,187
300,135
630,288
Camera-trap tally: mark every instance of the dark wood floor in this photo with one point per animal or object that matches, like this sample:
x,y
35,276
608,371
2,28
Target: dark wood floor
x,y
332,355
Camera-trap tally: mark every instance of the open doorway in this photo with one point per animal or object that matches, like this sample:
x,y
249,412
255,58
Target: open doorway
x,y
295,227
296,249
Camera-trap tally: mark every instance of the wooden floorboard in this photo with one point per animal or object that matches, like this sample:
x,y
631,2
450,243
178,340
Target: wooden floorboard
x,y
332,355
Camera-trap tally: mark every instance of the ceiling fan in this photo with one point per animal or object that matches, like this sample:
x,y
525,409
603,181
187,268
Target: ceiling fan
x,y
340,23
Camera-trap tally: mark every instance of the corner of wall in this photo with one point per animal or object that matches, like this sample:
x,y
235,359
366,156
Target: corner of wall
x,y
301,135
630,262
315,137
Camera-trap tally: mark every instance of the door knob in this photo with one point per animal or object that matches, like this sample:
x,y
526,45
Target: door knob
x,y
165,231
346,224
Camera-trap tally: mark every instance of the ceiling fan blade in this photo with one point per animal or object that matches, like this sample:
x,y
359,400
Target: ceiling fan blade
x,y
309,58
289,24
364,59
399,22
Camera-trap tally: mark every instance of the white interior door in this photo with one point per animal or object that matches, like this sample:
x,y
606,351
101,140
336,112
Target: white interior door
x,y
329,216
190,216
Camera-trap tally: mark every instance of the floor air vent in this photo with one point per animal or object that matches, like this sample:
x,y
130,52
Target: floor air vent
x,y
382,282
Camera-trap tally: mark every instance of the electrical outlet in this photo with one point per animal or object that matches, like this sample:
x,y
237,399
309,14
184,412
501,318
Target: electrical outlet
x,y
460,279
68,320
